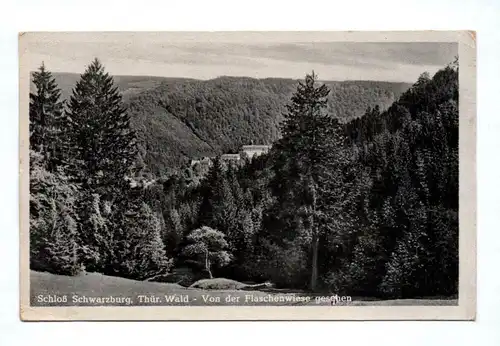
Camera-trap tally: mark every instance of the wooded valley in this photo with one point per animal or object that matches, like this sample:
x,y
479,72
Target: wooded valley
x,y
358,194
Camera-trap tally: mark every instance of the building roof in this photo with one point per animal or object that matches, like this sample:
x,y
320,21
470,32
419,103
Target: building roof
x,y
230,156
255,147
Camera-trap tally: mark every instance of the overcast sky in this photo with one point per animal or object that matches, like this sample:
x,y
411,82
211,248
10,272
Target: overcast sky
x,y
126,55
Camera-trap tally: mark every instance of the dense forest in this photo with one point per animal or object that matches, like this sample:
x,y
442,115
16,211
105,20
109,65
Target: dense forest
x,y
361,206
177,120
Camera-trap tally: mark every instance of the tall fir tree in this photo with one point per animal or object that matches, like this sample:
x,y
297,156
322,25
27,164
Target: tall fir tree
x,y
102,139
313,172
104,153
47,121
54,241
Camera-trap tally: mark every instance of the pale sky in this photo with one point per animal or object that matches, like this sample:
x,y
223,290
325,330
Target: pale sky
x,y
153,55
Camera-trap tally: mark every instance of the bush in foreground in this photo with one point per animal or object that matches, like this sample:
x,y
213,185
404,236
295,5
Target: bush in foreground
x,y
218,284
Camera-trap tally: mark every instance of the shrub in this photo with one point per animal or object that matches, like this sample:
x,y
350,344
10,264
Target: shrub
x,y
218,284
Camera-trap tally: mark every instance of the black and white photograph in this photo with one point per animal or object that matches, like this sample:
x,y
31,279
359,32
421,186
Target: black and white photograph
x,y
315,175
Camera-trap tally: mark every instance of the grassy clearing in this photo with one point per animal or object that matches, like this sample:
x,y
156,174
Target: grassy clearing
x,y
214,292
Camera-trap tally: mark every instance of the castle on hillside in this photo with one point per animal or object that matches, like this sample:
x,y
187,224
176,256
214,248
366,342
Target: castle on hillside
x,y
254,150
249,151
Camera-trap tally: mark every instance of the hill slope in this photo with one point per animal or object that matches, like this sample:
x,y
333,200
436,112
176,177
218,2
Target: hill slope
x,y
85,290
179,119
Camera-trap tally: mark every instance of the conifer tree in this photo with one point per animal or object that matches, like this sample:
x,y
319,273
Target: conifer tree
x,y
313,172
138,251
102,139
47,119
110,207
54,243
213,179
406,272
218,208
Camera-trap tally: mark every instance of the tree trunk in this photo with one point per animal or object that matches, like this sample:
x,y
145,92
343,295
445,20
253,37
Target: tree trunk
x,y
207,265
315,239
75,258
314,265
209,271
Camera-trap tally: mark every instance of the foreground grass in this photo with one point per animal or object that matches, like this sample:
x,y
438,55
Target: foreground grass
x,y
46,288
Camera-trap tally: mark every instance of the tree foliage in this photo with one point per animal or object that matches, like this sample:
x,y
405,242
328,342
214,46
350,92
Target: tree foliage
x,y
82,178
139,251
54,241
47,120
313,177
209,247
102,140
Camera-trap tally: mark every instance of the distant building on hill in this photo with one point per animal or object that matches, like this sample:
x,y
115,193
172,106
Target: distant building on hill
x,y
230,157
245,151
203,161
254,150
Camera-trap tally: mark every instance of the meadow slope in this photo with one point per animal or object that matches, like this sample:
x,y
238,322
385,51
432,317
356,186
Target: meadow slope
x,y
97,285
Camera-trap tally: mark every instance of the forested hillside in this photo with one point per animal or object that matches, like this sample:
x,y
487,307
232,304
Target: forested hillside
x,y
180,119
367,208
362,206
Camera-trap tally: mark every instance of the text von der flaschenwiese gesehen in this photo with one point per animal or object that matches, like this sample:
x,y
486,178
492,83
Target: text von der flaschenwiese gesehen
x,y
186,299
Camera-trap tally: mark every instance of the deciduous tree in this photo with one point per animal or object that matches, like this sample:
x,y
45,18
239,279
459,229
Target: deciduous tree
x,y
209,247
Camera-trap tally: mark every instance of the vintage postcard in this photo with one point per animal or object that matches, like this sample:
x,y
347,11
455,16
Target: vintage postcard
x,y
248,175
